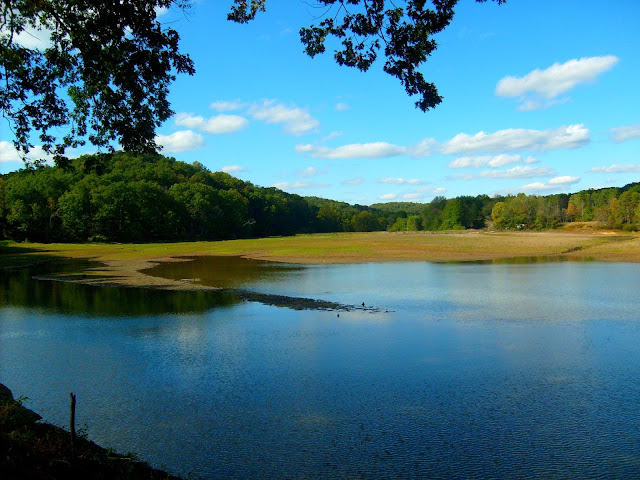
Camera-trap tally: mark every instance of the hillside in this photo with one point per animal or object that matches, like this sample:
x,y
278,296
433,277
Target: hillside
x,y
123,197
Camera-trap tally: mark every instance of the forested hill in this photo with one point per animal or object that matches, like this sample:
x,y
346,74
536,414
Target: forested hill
x,y
124,197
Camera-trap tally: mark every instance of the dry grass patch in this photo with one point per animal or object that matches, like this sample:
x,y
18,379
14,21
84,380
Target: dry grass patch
x,y
123,262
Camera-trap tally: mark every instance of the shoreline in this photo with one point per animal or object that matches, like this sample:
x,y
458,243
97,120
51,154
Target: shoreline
x,y
42,450
123,265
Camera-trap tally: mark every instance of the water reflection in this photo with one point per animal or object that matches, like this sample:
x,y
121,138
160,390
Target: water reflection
x,y
224,272
252,280
478,371
524,260
21,287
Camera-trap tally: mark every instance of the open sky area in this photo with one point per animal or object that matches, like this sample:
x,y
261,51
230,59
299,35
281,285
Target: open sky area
x,y
540,96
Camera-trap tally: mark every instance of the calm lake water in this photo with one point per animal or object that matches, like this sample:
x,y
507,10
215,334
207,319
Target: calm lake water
x,y
461,371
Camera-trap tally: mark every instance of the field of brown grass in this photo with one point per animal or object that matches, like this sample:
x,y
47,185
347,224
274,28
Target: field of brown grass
x,y
123,262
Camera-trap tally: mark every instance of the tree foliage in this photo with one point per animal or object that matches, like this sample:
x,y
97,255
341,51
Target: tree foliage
x,y
105,74
127,197
404,31
617,208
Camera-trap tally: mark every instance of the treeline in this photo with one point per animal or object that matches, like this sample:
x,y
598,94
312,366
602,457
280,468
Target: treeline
x,y
458,213
123,197
616,208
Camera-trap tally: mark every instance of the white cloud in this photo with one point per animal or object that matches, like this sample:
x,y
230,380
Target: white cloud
x,y
535,186
306,148
311,172
330,136
616,168
412,196
494,161
298,185
553,81
32,38
355,150
297,121
353,181
423,193
217,125
367,150
518,139
232,169
423,148
518,172
515,172
341,107
224,106
622,134
181,141
401,181
564,180
529,104
388,196
556,183
8,154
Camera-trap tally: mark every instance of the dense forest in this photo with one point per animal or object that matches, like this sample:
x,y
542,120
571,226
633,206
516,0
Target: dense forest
x,y
124,197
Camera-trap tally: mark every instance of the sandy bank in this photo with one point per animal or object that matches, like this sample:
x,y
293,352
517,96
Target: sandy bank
x,y
122,264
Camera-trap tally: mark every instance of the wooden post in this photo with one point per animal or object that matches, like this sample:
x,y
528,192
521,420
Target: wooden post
x,y
72,425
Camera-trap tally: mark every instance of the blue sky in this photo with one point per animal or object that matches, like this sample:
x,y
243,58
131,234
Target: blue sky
x,y
540,96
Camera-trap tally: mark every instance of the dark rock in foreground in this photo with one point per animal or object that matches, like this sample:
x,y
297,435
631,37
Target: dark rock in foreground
x,y
31,450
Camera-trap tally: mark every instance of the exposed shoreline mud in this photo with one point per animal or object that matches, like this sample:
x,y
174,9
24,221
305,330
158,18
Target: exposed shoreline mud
x,y
300,303
285,301
127,265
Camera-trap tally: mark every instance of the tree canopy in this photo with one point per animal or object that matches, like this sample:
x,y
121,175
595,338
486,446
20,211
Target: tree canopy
x,y
128,197
105,75
402,30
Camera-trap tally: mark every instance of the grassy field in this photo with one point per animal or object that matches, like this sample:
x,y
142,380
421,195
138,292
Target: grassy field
x,y
122,262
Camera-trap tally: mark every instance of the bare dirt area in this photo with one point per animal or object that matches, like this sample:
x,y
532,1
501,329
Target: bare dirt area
x,y
121,264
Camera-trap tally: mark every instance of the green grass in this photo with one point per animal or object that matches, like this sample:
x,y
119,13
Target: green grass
x,y
353,247
123,261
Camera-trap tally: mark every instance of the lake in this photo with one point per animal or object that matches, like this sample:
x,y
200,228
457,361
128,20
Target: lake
x,y
471,370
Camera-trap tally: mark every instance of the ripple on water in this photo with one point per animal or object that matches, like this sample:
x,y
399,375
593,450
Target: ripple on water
x,y
478,371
